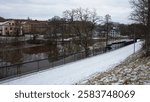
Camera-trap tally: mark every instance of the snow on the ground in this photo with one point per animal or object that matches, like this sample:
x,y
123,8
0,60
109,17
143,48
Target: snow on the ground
x,y
76,71
135,70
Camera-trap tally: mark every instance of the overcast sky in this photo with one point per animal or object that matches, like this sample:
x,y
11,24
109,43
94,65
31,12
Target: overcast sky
x,y
45,9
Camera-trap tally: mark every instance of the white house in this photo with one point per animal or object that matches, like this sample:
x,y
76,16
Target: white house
x,y
9,28
114,32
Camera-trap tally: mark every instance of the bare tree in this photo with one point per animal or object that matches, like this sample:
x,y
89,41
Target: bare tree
x,y
140,11
141,14
54,28
148,28
83,22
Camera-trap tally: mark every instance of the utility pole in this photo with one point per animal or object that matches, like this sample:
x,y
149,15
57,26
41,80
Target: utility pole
x,y
134,38
107,20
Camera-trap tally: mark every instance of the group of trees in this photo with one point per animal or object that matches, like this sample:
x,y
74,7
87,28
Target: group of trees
x,y
83,23
133,30
79,24
141,14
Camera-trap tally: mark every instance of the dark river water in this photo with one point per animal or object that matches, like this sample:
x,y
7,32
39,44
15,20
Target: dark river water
x,y
13,54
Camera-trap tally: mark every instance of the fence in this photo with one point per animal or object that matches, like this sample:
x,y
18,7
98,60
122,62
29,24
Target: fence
x,y
10,71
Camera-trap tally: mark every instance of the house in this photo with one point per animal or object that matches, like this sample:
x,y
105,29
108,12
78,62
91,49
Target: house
x,y
34,27
114,32
10,28
18,27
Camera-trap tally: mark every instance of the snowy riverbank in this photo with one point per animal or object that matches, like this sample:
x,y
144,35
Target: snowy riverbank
x,y
74,72
135,70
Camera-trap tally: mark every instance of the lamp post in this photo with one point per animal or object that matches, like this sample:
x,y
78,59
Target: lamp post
x,y
134,39
107,19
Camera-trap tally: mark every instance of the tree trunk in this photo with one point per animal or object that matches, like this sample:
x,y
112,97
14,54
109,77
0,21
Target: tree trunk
x,y
148,31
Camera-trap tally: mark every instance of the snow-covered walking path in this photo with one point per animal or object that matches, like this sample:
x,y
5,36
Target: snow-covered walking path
x,y
74,72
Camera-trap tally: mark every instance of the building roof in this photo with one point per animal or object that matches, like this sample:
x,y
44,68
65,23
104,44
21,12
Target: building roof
x,y
2,23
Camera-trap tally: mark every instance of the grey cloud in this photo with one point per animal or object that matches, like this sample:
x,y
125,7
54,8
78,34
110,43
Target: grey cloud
x,y
44,9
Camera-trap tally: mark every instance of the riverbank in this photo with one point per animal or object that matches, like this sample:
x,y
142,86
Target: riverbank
x,y
74,72
135,70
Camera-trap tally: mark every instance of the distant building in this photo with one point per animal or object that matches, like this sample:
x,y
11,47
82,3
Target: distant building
x,y
18,27
10,28
34,27
115,32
